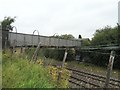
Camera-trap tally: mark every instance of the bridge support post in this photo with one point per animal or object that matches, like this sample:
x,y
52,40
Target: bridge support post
x,y
109,69
78,54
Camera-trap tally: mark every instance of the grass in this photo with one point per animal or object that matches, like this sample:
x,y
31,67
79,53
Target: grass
x,y
19,73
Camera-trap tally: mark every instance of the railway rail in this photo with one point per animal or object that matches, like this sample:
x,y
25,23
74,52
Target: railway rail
x,y
82,79
90,80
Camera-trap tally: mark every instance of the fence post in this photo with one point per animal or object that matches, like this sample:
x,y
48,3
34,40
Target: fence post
x,y
65,56
60,72
109,69
36,52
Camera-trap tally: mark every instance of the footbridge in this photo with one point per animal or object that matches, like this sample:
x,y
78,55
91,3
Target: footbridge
x,y
21,39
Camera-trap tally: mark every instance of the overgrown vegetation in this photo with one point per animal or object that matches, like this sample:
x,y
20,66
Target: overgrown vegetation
x,y
19,72
60,76
105,36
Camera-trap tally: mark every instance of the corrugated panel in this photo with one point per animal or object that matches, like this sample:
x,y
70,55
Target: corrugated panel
x,y
60,42
70,43
28,40
46,41
12,38
79,43
42,41
35,40
74,43
54,41
67,42
20,39
64,42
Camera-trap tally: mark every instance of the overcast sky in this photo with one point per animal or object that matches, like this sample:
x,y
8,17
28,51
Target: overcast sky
x,y
61,16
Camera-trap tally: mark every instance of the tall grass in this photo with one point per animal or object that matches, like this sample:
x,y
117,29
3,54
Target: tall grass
x,y
20,73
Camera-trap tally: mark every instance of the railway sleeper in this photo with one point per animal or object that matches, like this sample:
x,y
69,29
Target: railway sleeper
x,y
112,84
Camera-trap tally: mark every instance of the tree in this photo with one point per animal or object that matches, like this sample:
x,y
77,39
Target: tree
x,y
85,42
104,36
65,36
6,23
6,27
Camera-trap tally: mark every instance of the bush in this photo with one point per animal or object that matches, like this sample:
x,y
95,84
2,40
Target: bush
x,y
19,72
60,76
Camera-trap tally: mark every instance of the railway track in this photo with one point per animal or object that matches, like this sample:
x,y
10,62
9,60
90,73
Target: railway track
x,y
89,80
82,79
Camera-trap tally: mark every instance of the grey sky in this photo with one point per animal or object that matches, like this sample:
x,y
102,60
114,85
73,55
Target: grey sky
x,y
119,13
61,16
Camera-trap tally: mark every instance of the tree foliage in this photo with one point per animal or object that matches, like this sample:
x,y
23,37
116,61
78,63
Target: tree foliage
x,y
6,26
104,36
107,35
65,36
6,23
85,42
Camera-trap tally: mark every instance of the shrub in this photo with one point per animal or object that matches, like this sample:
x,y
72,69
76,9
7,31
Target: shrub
x,y
60,76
